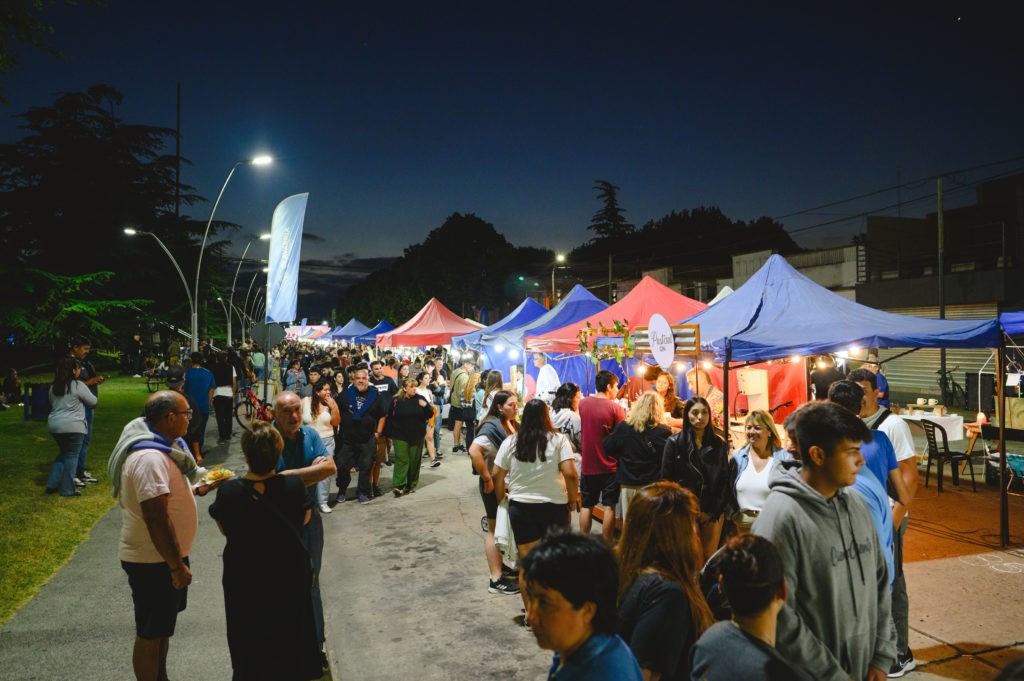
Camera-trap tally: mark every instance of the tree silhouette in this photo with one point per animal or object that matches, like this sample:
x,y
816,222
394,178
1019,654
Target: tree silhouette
x,y
609,221
70,186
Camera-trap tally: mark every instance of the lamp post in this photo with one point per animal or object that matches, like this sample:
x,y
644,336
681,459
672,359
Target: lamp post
x,y
231,295
130,231
245,305
227,315
257,161
559,259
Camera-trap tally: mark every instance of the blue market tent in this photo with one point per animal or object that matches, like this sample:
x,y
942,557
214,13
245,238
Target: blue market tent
x,y
779,312
1012,322
504,348
527,311
353,328
370,337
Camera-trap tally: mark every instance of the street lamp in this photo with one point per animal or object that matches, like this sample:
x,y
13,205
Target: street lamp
x,y
130,231
245,305
559,259
257,161
231,296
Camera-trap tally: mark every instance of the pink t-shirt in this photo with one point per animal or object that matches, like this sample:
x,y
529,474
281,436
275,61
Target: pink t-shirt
x,y
598,416
147,474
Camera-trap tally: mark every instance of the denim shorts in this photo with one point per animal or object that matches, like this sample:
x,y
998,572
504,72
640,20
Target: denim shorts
x,y
157,602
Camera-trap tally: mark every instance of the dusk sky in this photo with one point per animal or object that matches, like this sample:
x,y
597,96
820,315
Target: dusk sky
x,y
394,116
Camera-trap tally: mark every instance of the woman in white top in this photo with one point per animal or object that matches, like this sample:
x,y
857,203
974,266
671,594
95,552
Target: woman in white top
x,y
497,424
565,413
423,389
320,411
535,467
68,399
754,463
493,382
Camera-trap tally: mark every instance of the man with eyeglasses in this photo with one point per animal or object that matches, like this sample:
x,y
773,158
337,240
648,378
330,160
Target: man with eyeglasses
x,y
155,477
175,380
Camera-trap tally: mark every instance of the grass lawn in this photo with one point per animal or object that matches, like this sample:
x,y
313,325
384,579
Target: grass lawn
x,y
39,532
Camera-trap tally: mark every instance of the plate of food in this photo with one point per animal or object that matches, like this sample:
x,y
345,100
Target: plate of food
x,y
217,474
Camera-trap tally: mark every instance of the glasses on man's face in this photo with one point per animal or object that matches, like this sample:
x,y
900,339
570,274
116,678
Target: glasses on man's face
x,y
187,413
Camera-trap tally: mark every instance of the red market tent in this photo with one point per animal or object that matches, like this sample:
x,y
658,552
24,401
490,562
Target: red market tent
x,y
647,298
434,324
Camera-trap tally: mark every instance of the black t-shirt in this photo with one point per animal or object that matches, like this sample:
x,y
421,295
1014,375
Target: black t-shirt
x,y
654,620
386,386
222,373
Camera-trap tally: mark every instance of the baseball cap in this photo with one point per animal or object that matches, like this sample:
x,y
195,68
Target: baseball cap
x,y
175,376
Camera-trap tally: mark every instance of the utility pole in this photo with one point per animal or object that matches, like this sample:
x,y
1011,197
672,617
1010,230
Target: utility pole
x,y
610,301
942,287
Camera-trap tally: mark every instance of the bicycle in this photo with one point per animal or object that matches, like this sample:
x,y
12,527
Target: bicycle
x,y
954,392
251,408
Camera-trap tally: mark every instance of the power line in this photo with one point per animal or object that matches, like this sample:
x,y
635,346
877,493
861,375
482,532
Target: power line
x,y
908,184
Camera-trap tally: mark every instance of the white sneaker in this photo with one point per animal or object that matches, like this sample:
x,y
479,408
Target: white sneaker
x,y
324,508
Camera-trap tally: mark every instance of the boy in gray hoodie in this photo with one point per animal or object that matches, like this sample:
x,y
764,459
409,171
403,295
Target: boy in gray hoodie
x,y
836,620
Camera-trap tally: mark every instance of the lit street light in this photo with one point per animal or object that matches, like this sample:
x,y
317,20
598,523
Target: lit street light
x,y
559,259
245,305
231,296
188,294
257,161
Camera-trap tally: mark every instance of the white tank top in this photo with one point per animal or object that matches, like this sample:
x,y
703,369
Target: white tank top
x,y
752,487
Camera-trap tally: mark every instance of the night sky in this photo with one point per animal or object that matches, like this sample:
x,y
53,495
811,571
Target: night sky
x,y
396,116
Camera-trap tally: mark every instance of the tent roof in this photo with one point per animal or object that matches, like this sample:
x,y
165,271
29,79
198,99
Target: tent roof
x,y
577,304
370,337
434,324
353,328
1013,322
526,312
780,312
637,306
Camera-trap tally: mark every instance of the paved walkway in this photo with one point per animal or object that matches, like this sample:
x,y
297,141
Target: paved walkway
x,y
404,589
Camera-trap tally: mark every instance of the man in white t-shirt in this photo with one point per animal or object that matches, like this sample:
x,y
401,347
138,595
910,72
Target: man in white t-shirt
x,y
159,522
547,378
880,418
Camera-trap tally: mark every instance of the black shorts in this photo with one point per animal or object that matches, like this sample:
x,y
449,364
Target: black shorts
x,y
599,490
157,602
531,522
490,502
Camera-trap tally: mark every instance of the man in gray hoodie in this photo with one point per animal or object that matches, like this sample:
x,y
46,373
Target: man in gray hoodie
x,y
836,621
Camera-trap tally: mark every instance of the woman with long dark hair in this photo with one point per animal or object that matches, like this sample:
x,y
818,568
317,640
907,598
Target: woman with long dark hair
x,y
565,413
320,411
536,468
698,459
493,382
423,382
68,399
497,424
662,611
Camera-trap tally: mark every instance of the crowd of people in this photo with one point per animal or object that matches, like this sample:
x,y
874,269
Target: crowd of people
x,y
780,560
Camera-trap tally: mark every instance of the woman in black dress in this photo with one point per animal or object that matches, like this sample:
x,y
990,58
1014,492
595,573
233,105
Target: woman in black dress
x,y
268,577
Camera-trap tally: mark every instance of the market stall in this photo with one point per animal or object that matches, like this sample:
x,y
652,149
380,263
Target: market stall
x,y
434,324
